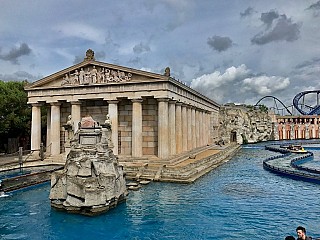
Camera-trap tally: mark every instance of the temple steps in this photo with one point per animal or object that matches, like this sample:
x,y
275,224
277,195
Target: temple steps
x,y
183,171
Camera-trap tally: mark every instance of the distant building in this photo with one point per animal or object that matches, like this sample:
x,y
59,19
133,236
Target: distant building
x,y
297,127
152,115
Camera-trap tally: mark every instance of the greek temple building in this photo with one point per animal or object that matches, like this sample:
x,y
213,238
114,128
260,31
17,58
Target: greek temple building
x,y
153,116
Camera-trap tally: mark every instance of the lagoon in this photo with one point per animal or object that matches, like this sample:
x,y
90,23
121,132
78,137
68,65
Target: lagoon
x,y
237,200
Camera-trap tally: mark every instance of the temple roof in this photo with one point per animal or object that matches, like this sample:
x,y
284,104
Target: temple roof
x,y
91,72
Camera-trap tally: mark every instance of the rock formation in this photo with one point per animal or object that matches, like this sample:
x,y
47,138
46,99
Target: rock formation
x,y
243,124
91,182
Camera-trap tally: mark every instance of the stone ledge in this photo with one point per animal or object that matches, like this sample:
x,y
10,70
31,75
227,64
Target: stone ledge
x,y
183,172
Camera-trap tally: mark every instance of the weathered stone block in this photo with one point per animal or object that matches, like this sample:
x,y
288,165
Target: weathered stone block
x,y
95,197
72,201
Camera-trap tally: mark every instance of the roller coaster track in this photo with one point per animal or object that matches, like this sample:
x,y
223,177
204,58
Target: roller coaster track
x,y
313,110
274,98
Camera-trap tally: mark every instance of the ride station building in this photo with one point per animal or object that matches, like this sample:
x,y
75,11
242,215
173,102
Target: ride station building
x,y
152,115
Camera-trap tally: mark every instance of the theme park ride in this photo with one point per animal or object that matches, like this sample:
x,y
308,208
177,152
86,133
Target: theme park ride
x,y
306,103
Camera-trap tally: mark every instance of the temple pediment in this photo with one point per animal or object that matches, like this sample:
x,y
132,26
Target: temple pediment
x,y
93,72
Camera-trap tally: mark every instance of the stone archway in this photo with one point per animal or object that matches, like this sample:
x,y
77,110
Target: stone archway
x,y
233,136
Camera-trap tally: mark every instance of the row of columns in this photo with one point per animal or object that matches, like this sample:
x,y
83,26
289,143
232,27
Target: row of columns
x,y
297,131
181,127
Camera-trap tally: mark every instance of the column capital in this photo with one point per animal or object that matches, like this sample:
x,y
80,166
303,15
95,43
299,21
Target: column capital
x,y
138,100
112,101
185,105
75,103
171,101
36,104
163,99
55,103
179,103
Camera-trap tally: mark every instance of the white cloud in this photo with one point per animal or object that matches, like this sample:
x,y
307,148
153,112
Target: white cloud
x,y
216,79
238,84
265,85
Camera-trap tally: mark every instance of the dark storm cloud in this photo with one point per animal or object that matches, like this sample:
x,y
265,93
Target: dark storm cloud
x,y
219,43
282,29
19,76
315,8
140,48
268,17
15,53
248,12
134,61
313,61
99,55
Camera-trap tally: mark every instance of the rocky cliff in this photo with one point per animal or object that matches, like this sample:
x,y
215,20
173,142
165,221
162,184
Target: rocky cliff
x,y
243,124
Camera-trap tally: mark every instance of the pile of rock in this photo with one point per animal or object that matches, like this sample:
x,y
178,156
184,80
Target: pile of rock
x,y
91,182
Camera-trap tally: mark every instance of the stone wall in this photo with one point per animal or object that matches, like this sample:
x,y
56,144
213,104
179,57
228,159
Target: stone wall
x,y
243,124
125,126
150,127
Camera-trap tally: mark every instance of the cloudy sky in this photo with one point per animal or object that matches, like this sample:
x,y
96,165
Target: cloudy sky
x,y
231,50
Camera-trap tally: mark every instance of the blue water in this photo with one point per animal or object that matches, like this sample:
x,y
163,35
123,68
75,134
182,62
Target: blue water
x,y
239,200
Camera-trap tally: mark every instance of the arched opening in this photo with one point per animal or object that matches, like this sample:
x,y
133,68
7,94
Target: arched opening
x,y
233,136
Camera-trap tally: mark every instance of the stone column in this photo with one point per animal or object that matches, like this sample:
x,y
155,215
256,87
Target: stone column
x,y
55,128
209,128
136,127
206,128
201,132
193,128
312,131
284,133
189,122
113,114
76,115
184,128
178,128
315,127
172,127
48,147
197,129
163,136
36,127
299,131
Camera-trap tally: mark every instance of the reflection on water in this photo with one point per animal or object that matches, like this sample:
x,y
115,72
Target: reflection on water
x,y
239,200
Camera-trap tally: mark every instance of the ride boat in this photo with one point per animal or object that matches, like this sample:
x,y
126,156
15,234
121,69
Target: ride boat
x,y
295,148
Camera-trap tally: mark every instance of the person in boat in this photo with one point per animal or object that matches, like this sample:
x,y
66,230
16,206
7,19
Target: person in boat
x,y
302,233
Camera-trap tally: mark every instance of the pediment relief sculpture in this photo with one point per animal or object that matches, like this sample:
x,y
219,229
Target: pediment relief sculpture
x,y
93,75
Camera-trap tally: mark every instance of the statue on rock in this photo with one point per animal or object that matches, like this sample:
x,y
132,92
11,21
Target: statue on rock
x,y
92,180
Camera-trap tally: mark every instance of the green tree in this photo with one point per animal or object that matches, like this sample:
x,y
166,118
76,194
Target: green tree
x,y
15,114
263,108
